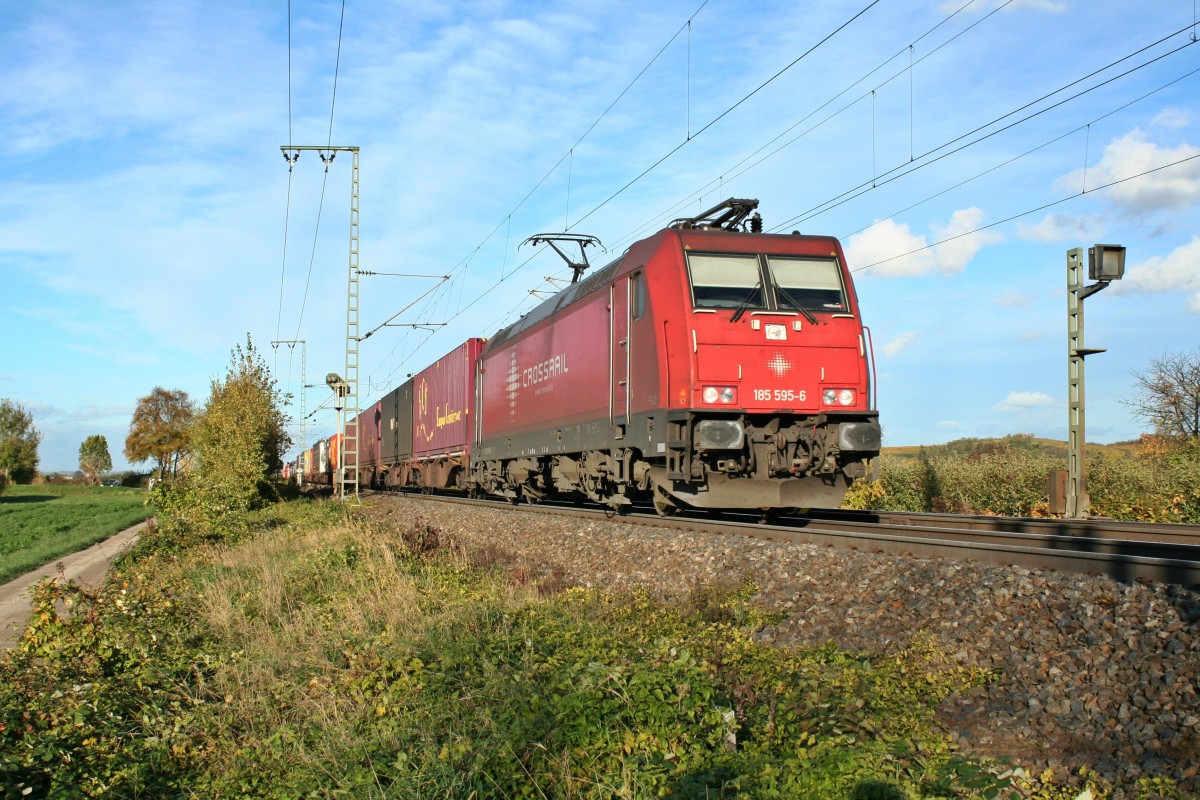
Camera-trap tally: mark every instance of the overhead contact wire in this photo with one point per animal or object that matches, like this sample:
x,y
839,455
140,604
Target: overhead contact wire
x,y
729,110
908,168
325,179
1042,207
288,207
675,209
508,218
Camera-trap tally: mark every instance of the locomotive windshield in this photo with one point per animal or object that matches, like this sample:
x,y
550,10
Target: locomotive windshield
x,y
792,283
725,281
808,283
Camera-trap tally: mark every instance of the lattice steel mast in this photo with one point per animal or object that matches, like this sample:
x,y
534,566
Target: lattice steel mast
x,y
348,477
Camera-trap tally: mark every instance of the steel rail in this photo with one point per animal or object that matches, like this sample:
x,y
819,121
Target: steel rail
x,y
1088,528
1120,559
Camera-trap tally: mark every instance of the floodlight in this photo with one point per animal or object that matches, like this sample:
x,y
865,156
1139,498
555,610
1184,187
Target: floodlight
x,y
1106,262
340,388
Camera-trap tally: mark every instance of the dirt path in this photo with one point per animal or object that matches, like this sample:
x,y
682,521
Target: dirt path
x,y
87,566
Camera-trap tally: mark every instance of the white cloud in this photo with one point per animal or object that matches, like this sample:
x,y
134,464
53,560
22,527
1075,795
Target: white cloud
x,y
1178,271
1172,117
1175,187
1012,300
1025,401
882,242
1052,6
894,251
1063,228
899,344
961,239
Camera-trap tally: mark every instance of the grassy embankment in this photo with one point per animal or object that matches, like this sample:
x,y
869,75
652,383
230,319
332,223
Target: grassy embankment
x,y
315,656
39,524
1136,482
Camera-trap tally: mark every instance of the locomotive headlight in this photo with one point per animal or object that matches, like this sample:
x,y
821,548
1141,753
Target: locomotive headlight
x,y
719,434
838,397
726,395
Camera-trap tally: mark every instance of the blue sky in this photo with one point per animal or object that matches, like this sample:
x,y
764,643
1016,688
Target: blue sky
x,y
148,221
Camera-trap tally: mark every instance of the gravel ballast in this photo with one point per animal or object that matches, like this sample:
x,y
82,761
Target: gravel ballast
x,y
1090,672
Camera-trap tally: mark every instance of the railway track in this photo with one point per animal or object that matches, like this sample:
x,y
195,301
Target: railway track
x,y
1120,550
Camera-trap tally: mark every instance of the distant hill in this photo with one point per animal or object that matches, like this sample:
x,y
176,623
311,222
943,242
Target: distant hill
x,y
1019,441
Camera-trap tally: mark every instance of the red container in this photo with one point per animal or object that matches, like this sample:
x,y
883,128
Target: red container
x,y
444,404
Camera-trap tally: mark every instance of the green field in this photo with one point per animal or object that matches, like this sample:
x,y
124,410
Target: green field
x,y
39,524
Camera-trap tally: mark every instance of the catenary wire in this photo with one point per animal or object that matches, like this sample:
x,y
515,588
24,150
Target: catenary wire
x,y
325,179
1044,144
909,167
727,111
649,169
697,195
934,150
1026,213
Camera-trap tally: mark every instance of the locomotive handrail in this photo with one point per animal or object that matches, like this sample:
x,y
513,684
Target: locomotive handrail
x,y
870,347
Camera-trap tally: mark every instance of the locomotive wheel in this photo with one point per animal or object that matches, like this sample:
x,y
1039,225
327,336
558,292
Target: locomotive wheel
x,y
663,505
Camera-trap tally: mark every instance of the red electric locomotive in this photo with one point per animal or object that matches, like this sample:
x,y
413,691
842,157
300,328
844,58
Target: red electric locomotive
x,y
711,366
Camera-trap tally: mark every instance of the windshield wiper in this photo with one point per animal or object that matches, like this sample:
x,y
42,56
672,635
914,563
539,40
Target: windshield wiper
x,y
745,302
807,314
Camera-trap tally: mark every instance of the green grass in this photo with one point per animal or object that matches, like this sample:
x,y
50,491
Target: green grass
x,y
39,524
312,655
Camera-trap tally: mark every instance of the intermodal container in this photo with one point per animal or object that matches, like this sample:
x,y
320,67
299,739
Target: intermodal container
x,y
443,402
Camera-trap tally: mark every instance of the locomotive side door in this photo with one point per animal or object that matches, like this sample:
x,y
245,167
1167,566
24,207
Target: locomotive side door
x,y
618,354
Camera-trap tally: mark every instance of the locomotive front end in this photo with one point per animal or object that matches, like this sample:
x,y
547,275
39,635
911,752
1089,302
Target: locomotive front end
x,y
769,376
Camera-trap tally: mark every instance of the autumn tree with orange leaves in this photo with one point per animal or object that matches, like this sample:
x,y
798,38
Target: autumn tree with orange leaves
x,y
161,429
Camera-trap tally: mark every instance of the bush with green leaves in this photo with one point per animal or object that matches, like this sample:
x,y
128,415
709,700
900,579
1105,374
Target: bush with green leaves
x,y
1011,478
19,441
238,441
1153,486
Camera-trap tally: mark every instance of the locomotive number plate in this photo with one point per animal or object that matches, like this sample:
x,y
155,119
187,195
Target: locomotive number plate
x,y
780,395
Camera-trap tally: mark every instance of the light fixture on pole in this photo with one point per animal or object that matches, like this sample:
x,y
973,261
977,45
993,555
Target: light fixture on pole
x,y
1106,263
341,389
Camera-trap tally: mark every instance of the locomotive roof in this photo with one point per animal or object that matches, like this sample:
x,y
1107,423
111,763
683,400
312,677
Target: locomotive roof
x,y
602,276
551,305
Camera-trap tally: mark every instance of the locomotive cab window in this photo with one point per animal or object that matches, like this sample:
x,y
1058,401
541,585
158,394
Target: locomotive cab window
x,y
725,281
807,283
638,292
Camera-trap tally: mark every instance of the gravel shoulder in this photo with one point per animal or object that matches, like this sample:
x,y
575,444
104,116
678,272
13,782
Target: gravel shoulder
x,y
1089,671
86,566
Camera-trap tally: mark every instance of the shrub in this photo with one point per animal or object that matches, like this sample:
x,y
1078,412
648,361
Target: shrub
x,y
1011,478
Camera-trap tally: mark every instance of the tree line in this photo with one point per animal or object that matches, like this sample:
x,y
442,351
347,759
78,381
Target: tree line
x,y
237,438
